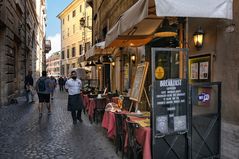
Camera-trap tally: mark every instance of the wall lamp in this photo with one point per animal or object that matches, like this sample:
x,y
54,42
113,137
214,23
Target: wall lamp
x,y
198,38
82,23
113,64
133,58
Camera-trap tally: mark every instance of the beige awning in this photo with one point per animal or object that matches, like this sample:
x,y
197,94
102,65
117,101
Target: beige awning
x,y
137,25
97,50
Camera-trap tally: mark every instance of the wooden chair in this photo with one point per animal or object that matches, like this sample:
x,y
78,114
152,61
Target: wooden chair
x,y
100,109
134,149
120,133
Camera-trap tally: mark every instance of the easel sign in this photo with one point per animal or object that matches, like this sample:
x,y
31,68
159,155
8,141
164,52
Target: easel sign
x,y
138,84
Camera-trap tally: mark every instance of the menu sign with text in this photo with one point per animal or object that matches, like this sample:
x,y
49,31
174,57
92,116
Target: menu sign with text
x,y
171,91
170,105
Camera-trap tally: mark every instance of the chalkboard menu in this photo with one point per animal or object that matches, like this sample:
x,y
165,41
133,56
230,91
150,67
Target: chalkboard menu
x,y
138,85
170,105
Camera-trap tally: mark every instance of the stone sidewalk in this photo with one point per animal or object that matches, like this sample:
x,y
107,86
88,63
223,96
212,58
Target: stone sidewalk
x,y
24,136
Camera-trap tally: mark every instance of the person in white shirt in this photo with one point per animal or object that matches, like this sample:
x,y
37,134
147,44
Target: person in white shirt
x,y
75,104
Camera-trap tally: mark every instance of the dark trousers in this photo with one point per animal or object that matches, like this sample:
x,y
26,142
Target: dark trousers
x,y
61,87
76,114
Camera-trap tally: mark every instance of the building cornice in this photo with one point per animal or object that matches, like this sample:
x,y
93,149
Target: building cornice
x,y
69,8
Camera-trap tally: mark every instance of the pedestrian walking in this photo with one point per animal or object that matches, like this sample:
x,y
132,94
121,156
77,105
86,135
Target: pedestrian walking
x,y
28,87
61,83
75,104
52,86
43,90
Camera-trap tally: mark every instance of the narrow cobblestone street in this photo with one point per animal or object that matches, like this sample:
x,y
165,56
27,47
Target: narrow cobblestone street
x,y
24,135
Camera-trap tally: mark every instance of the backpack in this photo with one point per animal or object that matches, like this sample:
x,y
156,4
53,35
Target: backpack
x,y
41,85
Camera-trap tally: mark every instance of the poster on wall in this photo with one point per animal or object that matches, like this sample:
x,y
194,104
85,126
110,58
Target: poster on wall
x,y
194,71
199,68
204,70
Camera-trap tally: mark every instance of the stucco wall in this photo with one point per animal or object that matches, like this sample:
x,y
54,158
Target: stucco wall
x,y
224,47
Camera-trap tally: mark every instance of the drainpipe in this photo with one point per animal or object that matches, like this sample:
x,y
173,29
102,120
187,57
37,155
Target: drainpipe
x,y
25,19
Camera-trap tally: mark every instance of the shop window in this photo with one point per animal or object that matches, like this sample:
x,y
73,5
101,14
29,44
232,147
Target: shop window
x,y
62,69
67,69
80,8
73,29
73,52
87,46
104,32
68,53
74,13
88,21
80,49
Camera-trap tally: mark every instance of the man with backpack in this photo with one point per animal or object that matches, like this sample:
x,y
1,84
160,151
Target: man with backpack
x,y
43,90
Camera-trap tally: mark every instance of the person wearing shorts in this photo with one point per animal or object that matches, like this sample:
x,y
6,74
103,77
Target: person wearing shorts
x,y
43,90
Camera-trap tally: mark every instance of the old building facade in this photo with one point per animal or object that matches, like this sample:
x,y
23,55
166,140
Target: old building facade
x,y
40,62
220,45
19,45
53,64
105,15
75,39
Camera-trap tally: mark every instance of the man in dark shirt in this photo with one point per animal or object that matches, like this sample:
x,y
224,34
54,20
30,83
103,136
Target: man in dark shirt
x,y
28,86
61,83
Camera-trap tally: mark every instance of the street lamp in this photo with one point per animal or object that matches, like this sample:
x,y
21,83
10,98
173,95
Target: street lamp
x,y
82,23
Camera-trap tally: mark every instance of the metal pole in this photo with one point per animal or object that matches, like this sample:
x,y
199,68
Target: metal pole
x,y
25,19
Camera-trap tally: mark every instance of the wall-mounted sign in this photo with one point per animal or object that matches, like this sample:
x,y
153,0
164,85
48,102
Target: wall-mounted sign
x,y
204,96
159,73
199,68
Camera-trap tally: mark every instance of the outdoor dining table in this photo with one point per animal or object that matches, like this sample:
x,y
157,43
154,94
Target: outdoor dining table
x,y
109,123
143,137
142,134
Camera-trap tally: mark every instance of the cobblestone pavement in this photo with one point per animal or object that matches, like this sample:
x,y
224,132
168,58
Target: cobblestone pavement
x,y
23,135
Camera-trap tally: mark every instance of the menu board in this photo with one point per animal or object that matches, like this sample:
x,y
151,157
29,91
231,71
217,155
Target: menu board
x,y
171,91
138,84
170,105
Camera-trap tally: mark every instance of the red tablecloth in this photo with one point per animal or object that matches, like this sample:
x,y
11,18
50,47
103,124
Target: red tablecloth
x,y
143,137
108,123
85,101
91,108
